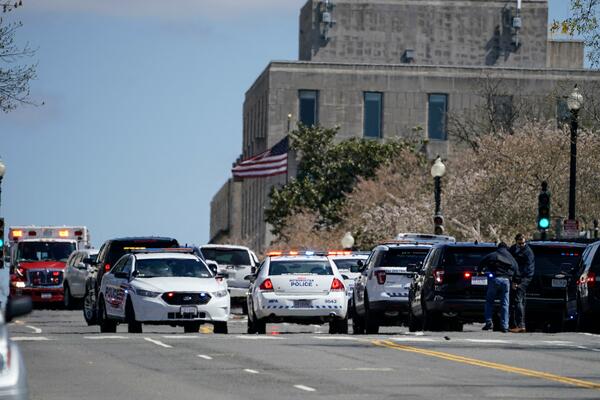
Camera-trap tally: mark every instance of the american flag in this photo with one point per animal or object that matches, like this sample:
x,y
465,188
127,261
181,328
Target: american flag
x,y
268,163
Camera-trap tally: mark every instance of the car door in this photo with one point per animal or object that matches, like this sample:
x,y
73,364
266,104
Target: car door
x,y
361,282
78,275
114,293
258,276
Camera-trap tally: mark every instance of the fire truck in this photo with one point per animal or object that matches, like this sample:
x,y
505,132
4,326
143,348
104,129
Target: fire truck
x,y
38,256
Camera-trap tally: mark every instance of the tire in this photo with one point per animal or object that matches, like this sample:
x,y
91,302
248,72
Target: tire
x,y
89,308
358,323
260,325
244,308
455,325
220,328
68,300
133,326
371,321
338,326
191,327
414,324
106,324
430,320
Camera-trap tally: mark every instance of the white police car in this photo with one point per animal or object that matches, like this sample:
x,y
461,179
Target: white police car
x,y
347,263
162,286
304,288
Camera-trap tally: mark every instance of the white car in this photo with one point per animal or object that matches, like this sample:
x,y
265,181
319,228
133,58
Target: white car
x,y
301,288
348,265
162,286
79,266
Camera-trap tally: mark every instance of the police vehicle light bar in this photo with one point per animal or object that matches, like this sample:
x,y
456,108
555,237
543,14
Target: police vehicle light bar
x,y
294,253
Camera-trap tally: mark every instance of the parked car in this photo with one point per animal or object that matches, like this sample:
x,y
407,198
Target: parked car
x,y
13,374
108,255
552,293
80,264
447,291
588,290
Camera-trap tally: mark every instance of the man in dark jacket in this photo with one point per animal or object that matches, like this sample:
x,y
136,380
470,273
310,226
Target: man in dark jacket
x,y
526,260
501,267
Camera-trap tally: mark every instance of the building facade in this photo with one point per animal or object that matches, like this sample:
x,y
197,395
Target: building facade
x,y
383,69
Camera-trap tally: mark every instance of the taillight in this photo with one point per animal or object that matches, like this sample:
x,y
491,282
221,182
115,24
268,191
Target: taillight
x,y
170,295
467,275
337,286
106,267
591,279
380,277
438,275
266,286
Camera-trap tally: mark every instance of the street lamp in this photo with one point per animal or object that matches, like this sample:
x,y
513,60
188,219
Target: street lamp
x,y
347,241
438,169
2,170
574,101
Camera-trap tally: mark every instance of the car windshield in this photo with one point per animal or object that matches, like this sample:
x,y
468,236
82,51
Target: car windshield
x,y
44,251
119,248
460,258
227,256
554,260
171,267
347,264
300,267
402,257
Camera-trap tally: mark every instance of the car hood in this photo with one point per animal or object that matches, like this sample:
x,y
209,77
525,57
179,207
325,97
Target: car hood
x,y
178,284
42,265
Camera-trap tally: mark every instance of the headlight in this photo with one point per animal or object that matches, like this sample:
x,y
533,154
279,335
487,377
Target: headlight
x,y
19,284
146,293
220,293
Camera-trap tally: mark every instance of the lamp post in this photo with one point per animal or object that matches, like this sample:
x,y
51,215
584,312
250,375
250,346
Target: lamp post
x,y
575,101
2,170
438,169
347,241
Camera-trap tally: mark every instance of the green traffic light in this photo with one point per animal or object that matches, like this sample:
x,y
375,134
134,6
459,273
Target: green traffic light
x,y
1,242
543,223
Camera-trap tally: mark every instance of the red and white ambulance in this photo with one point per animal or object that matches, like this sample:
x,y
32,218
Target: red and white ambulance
x,y
38,256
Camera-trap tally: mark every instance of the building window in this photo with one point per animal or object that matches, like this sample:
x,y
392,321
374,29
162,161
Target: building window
x,y
563,114
309,107
504,114
373,114
438,117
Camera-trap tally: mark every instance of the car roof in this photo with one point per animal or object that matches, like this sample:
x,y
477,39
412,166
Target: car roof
x,y
154,256
485,245
349,256
301,257
129,238
409,246
223,246
540,243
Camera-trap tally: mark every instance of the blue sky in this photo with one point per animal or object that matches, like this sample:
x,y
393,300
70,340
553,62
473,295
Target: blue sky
x,y
143,109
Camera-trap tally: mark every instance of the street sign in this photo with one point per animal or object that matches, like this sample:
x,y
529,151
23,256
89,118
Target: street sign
x,y
571,228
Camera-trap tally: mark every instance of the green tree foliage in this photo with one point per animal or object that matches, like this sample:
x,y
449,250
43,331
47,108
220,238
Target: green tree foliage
x,y
327,172
584,22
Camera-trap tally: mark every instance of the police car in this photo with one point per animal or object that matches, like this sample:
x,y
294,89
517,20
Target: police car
x,y
348,264
162,286
304,288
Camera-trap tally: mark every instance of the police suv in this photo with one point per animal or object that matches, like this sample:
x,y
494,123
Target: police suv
x,y
381,291
162,286
304,288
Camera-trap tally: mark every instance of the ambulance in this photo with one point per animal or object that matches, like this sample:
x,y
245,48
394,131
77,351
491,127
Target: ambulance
x,y
38,256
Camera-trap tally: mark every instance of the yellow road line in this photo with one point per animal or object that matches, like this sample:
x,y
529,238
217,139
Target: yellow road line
x,y
491,365
206,329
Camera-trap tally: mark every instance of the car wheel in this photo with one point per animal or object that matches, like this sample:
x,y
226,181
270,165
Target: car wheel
x,y
106,324
429,320
371,321
68,300
191,327
133,326
220,327
89,307
260,325
358,324
414,324
338,326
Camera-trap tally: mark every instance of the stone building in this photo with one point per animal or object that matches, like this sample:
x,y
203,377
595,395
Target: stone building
x,y
382,68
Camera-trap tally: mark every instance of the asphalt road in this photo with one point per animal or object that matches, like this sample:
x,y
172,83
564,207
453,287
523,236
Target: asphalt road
x,y
68,360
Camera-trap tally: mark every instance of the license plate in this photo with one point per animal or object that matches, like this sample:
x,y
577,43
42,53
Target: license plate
x,y
559,283
189,310
479,281
46,295
302,303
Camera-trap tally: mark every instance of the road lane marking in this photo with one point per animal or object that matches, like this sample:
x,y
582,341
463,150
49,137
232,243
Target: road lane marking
x,y
105,337
259,337
29,338
251,371
305,388
34,329
157,342
491,365
354,339
205,356
412,339
206,329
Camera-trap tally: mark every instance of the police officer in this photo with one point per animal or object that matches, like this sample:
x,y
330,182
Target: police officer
x,y
526,260
501,267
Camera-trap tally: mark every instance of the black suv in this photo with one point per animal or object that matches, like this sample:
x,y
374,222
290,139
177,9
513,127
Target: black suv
x,y
447,291
552,293
588,290
109,253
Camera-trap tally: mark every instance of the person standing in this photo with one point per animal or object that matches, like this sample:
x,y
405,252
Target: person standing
x,y
501,267
523,254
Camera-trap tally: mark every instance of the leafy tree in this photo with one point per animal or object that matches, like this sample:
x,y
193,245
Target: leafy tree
x,y
327,172
14,77
584,22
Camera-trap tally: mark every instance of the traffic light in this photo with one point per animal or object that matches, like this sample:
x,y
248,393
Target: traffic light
x,y
438,224
1,242
543,218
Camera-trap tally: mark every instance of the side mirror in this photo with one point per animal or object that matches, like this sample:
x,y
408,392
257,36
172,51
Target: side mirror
x,y
18,306
346,277
253,270
250,278
81,266
360,263
213,266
